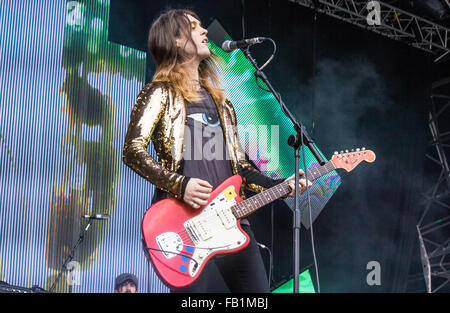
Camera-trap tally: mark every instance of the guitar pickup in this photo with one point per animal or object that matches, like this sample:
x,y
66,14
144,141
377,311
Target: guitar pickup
x,y
197,229
201,229
227,218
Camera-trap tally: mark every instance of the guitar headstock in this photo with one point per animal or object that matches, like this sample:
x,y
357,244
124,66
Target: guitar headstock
x,y
348,160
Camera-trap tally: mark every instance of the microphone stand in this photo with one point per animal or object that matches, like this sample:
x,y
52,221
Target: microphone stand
x,y
296,141
71,255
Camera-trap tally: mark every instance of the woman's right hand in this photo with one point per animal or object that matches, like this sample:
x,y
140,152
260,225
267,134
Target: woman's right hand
x,y
197,192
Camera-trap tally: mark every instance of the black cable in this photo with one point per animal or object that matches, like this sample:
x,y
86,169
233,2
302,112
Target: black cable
x,y
312,131
273,53
310,219
313,74
71,255
243,36
243,18
173,252
270,260
260,85
272,234
259,69
149,278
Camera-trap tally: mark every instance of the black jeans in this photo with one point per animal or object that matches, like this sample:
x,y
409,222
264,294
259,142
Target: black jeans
x,y
242,271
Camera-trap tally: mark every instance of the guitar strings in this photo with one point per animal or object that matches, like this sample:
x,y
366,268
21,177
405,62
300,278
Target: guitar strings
x,y
207,217
212,214
184,235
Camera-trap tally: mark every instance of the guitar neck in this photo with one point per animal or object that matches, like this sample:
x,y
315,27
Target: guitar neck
x,y
250,205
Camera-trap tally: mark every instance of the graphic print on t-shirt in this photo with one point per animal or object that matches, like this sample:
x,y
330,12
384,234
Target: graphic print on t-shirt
x,y
204,154
204,138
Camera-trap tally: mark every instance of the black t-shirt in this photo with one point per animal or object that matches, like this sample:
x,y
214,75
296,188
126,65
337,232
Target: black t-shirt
x,y
205,154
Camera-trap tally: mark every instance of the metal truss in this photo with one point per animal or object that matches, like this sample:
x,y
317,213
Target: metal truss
x,y
395,23
434,224
433,228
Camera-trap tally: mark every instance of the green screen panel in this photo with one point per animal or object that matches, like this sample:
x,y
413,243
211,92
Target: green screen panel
x,y
263,128
306,285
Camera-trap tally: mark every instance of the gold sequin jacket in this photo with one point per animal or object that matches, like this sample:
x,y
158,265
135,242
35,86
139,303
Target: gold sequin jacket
x,y
159,114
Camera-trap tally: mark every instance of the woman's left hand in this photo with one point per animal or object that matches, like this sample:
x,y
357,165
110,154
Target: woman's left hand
x,y
301,183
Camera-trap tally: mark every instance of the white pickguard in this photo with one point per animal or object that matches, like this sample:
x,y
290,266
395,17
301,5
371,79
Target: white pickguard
x,y
214,229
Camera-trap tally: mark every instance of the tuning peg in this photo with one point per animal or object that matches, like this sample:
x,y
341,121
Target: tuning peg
x,y
335,152
353,150
363,148
342,151
346,151
357,150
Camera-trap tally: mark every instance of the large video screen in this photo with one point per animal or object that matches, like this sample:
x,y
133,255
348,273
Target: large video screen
x,y
264,129
66,96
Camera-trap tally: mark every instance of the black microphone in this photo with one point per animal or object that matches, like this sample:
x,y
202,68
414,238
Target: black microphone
x,y
229,46
98,217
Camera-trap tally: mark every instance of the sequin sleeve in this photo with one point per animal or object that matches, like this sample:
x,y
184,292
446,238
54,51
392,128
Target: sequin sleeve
x,y
149,107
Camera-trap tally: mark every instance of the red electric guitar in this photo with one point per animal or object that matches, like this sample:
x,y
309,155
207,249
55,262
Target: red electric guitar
x,y
181,240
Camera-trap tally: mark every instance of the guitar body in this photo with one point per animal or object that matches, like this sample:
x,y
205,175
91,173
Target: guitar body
x,y
180,240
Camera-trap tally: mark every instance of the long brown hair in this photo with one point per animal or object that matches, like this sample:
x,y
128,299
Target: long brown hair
x,y
162,45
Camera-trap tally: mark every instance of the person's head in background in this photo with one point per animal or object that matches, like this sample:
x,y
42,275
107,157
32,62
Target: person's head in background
x,y
126,283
